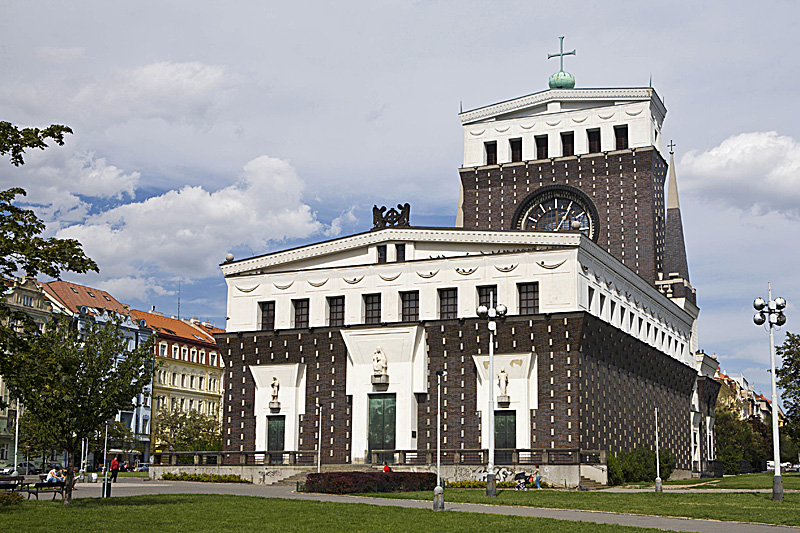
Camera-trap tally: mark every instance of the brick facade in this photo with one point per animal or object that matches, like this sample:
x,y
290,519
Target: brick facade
x,y
597,386
626,186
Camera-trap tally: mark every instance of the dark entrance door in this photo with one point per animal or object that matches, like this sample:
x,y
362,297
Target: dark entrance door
x,y
505,435
275,437
382,420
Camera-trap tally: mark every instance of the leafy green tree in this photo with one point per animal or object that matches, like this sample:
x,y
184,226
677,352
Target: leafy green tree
x,y
789,380
188,431
14,141
72,382
737,442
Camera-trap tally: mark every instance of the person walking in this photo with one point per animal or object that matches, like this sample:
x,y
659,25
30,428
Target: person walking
x,y
114,469
537,477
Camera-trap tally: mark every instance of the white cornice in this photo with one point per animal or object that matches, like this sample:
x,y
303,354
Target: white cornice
x,y
459,236
562,95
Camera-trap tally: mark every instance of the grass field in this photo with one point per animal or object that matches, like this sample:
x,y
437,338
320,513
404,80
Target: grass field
x,y
747,507
200,513
144,475
762,480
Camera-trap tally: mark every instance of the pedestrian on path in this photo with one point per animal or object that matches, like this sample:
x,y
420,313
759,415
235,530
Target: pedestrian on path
x,y
114,469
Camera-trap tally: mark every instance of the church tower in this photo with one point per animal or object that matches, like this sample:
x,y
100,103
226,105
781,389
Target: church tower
x,y
571,159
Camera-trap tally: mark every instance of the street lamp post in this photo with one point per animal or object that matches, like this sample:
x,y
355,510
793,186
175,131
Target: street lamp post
x,y
16,440
659,487
771,312
319,440
438,492
492,313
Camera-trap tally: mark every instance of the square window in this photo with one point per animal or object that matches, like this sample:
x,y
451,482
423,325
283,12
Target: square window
x,y
541,147
267,315
567,143
487,295
528,298
593,137
300,313
372,308
409,302
516,149
448,304
336,311
491,152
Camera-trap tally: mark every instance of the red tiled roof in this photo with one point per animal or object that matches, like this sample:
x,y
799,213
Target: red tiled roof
x,y
74,296
174,327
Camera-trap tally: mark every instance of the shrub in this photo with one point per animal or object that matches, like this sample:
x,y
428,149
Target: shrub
x,y
7,499
205,478
474,484
353,482
639,465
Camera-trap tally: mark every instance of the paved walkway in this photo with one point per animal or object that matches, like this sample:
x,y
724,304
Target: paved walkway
x,y
137,487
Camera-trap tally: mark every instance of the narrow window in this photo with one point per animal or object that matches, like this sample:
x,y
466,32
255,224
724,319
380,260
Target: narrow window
x,y
487,295
516,149
491,152
594,141
300,313
372,308
568,143
602,304
162,350
621,136
409,302
381,253
541,147
590,303
528,298
448,303
267,315
336,311
401,251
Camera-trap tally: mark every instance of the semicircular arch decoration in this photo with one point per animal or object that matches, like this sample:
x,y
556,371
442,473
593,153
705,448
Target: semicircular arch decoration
x,y
556,208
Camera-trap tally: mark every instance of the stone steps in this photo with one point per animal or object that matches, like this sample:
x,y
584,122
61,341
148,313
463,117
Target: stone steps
x,y
590,484
301,476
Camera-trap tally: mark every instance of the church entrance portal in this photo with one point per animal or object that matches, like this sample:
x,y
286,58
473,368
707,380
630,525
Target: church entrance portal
x,y
505,435
382,422
275,437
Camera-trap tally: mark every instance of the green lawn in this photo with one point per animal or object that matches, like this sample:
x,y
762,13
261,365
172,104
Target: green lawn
x,y
144,475
747,507
200,512
762,480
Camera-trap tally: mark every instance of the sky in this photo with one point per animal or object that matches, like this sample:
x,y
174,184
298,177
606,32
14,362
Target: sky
x,y
203,128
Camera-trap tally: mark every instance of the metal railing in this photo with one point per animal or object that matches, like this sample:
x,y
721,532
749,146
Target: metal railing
x,y
503,456
249,458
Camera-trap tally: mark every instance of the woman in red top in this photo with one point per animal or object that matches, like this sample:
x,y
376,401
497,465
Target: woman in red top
x,y
114,469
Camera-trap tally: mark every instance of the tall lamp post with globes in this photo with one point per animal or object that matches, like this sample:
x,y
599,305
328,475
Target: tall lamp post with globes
x,y
492,313
771,312
438,492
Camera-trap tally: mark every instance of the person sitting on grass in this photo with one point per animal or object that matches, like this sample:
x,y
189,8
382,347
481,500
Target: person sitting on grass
x,y
55,476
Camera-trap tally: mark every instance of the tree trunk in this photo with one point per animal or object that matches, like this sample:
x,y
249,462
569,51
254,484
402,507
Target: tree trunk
x,y
70,477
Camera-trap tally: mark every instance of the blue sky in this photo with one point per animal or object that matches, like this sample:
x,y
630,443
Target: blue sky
x,y
203,128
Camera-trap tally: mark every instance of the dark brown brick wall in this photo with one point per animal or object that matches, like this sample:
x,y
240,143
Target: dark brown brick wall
x,y
626,186
597,386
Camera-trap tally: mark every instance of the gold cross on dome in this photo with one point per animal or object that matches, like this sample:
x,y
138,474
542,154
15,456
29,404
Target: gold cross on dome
x,y
561,54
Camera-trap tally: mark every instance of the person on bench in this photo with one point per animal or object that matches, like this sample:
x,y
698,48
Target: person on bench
x,y
55,476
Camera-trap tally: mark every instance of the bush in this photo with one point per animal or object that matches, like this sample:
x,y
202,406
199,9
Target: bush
x,y
473,484
7,499
639,465
354,482
205,478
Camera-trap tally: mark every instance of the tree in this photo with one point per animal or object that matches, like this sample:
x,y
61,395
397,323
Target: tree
x,y
14,141
188,431
22,248
789,380
72,382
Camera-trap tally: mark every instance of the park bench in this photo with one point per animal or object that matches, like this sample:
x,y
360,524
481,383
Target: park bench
x,y
43,487
11,483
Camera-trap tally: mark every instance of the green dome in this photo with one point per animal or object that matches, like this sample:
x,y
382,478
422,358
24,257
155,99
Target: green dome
x,y
562,80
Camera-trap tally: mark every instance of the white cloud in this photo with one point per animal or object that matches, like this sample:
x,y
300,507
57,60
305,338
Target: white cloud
x,y
348,217
759,170
187,232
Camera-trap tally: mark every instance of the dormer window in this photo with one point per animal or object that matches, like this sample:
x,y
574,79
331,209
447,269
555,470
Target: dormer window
x,y
515,145
74,290
621,136
491,152
90,293
541,147
107,298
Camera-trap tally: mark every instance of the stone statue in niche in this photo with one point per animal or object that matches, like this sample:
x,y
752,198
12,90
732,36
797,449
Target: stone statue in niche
x,y
276,386
379,362
502,382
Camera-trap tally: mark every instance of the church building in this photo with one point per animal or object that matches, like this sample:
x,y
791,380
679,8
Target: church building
x,y
562,218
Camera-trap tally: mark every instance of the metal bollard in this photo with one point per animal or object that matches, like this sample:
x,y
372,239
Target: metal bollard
x,y
438,499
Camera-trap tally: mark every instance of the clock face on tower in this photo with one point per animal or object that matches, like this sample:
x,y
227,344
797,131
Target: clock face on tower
x,y
558,208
